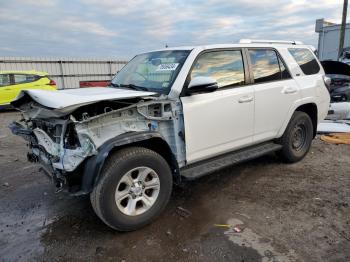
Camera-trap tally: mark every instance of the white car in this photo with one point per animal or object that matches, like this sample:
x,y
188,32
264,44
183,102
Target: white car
x,y
172,114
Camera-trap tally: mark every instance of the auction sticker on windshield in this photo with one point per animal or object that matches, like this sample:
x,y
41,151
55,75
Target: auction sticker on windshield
x,y
167,67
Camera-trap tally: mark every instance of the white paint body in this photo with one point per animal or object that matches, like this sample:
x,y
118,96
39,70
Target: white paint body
x,y
216,123
224,120
70,99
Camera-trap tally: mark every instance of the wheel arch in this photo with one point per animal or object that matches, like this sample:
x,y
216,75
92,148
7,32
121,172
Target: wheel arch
x,y
307,106
151,140
311,110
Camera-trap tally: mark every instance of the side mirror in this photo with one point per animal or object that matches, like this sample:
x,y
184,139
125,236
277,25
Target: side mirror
x,y
202,84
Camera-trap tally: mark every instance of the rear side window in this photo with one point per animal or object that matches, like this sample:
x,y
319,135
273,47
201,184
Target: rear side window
x,y
306,60
5,80
267,66
226,67
21,79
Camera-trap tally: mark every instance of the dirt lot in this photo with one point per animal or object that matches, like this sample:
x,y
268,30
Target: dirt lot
x,y
296,212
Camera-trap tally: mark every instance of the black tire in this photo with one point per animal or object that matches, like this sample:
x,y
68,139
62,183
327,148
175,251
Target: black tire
x,y
117,165
297,138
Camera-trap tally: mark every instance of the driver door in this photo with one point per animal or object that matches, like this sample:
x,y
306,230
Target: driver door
x,y
220,121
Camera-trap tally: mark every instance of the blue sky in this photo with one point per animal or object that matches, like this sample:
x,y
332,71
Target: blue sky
x,y
121,29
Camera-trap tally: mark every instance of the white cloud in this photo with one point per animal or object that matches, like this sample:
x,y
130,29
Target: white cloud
x,y
40,3
78,25
119,7
7,15
7,49
135,25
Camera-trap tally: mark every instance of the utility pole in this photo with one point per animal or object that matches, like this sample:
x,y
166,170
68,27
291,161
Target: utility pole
x,y
343,27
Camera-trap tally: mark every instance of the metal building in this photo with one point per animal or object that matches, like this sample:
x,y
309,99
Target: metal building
x,y
328,39
67,72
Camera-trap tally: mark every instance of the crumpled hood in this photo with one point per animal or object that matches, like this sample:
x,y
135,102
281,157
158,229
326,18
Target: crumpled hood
x,y
66,101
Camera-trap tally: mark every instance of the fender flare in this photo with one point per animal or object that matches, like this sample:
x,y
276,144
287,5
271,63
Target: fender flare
x,y
93,166
298,103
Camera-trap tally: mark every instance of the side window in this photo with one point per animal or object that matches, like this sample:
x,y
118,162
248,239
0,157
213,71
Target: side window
x,y
21,79
5,80
267,66
226,67
306,60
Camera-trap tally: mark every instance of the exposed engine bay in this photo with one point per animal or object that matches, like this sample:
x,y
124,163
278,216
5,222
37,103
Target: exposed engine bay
x,y
61,143
339,73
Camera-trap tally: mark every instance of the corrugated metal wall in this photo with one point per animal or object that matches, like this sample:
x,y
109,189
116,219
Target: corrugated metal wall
x,y
67,72
328,42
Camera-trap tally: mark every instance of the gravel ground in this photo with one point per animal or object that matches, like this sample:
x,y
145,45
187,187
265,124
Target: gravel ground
x,y
297,212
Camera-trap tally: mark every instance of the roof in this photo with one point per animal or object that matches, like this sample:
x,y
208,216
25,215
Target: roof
x,y
25,72
239,45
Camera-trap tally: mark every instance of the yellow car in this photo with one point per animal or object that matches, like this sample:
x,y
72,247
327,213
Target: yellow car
x,y
13,82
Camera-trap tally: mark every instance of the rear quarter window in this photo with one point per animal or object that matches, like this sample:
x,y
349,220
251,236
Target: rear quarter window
x,y
306,60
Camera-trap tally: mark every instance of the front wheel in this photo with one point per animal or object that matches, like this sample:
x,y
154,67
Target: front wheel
x,y
134,188
297,138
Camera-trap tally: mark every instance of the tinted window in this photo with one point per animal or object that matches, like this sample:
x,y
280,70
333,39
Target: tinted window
x,y
226,67
4,80
20,79
306,60
267,66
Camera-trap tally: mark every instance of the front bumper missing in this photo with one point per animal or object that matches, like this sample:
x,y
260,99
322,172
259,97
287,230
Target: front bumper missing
x,y
39,155
55,176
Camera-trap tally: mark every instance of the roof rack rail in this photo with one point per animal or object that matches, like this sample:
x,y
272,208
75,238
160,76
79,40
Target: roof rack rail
x,y
251,41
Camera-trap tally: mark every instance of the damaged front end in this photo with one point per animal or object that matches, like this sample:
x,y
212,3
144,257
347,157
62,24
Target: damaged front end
x,y
55,144
71,147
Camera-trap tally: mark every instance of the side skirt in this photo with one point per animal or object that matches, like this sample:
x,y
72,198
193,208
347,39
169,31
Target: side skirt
x,y
214,164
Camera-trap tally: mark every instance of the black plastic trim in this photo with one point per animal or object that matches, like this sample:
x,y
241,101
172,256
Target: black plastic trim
x,y
214,164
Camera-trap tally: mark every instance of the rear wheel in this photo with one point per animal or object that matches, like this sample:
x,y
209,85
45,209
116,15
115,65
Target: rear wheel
x,y
297,138
134,188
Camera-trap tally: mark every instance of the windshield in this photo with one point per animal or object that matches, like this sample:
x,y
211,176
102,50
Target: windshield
x,y
155,71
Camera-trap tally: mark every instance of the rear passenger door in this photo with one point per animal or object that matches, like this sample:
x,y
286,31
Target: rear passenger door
x,y
219,121
275,92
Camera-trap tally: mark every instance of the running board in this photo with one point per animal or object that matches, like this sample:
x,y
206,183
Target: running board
x,y
209,166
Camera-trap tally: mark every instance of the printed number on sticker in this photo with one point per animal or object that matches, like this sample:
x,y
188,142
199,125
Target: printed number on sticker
x,y
167,67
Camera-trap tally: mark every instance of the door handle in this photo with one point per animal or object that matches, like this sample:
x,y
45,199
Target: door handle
x,y
289,90
245,99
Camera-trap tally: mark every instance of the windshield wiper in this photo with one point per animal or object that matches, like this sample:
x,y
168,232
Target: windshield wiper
x,y
131,86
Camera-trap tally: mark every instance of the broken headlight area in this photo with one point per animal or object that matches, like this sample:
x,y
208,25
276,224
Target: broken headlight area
x,y
55,144
65,144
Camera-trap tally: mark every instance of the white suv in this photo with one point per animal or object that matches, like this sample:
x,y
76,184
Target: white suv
x,y
172,114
